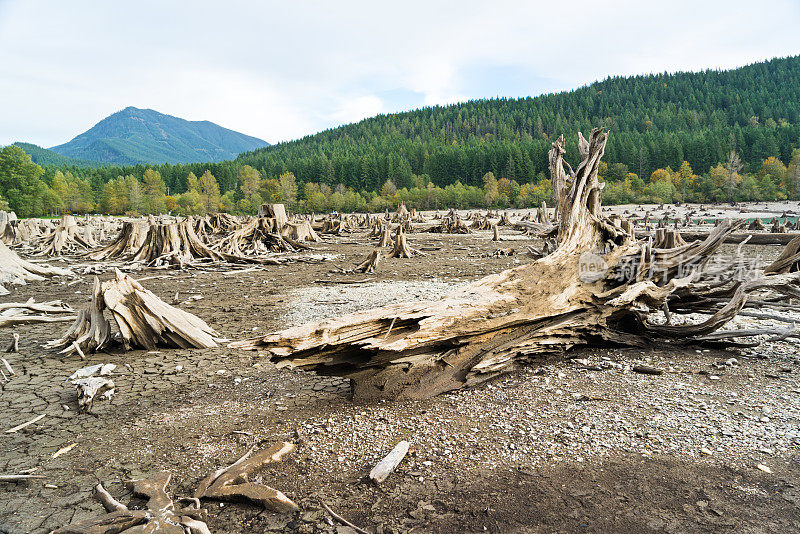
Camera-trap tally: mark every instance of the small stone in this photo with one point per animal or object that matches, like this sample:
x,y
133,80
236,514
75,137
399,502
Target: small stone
x,y
762,467
706,450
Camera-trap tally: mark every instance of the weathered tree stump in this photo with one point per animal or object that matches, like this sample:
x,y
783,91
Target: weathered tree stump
x,y
144,321
598,287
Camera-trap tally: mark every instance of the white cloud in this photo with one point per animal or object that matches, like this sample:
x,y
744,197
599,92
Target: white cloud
x,y
281,70
357,108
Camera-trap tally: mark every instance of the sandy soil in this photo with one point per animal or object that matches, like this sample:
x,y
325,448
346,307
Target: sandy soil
x,y
584,445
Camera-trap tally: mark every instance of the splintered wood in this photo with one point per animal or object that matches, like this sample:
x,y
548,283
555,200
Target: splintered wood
x,y
599,286
144,321
15,270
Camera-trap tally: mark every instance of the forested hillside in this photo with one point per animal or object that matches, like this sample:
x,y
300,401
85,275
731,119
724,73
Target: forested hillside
x,y
706,136
656,121
43,156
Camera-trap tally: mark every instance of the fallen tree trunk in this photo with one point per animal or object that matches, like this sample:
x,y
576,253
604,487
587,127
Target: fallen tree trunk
x,y
599,287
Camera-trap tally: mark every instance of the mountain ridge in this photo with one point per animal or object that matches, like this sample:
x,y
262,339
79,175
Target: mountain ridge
x,y
144,136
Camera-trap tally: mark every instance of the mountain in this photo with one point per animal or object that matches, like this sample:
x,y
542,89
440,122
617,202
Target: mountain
x,y
43,156
134,135
656,120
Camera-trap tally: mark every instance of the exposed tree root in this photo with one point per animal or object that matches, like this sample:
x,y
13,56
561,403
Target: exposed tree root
x,y
232,483
161,515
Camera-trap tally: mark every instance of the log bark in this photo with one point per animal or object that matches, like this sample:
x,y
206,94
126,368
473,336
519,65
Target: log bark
x,y
598,287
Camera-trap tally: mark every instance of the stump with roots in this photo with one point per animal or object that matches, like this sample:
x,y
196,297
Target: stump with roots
x,y
144,321
130,239
66,238
401,247
481,223
370,264
171,244
668,239
15,270
385,236
300,232
451,224
598,287
256,238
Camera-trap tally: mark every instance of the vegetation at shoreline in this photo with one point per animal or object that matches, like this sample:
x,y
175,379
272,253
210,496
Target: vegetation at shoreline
x,y
712,136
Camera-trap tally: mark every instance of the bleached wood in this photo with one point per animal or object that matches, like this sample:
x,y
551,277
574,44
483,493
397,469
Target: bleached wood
x,y
384,468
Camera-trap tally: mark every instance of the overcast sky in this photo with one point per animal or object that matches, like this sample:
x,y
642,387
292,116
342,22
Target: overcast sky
x,y
281,70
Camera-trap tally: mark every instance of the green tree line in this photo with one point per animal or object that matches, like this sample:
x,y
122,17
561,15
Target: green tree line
x,y
723,125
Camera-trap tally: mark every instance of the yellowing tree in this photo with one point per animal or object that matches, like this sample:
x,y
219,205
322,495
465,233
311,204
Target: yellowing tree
x,y
250,184
490,191
154,190
209,192
287,185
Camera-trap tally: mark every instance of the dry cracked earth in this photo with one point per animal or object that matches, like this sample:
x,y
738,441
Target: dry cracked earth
x,y
582,445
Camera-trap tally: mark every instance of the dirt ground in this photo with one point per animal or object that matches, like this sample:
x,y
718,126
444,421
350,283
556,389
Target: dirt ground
x,y
579,445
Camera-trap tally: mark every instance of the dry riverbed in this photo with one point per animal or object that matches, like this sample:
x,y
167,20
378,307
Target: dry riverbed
x,y
585,445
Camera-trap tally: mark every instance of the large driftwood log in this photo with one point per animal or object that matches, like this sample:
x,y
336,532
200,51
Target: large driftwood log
x,y
752,239
600,286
